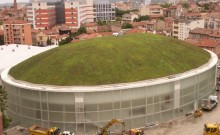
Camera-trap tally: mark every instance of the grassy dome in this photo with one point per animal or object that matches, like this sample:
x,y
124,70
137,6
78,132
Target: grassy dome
x,y
110,60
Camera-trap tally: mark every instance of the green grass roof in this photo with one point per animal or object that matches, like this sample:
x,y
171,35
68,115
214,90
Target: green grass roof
x,y
110,60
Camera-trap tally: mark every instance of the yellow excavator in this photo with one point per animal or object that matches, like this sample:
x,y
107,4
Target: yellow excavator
x,y
198,113
211,129
109,124
135,131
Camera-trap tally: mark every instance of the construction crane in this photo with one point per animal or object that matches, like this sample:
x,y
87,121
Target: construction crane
x,y
109,124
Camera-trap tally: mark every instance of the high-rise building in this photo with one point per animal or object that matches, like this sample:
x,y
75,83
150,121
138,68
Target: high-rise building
x,y
77,13
73,13
17,32
42,15
103,10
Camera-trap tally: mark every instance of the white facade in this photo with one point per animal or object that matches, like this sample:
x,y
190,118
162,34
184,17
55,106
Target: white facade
x,y
181,27
104,11
151,10
129,17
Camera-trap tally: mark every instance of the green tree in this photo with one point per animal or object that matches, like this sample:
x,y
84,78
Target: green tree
x,y
65,41
81,30
3,107
49,41
206,6
141,18
101,23
165,5
185,5
119,19
126,26
144,18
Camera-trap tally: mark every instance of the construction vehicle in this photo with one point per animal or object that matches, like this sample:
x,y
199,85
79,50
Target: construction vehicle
x,y
198,113
109,124
135,131
37,130
211,129
210,103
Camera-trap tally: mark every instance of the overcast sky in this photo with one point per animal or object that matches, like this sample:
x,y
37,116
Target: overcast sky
x,y
11,1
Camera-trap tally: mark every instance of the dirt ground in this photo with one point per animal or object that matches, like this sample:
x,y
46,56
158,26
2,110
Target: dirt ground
x,y
189,126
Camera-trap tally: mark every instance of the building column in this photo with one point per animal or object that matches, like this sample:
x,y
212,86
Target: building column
x,y
1,124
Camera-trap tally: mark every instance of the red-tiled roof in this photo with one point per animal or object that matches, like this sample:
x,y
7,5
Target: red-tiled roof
x,y
15,22
35,31
135,30
49,32
173,7
210,43
136,24
208,32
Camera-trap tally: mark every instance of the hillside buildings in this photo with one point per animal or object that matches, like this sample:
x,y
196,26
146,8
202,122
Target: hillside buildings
x,y
17,32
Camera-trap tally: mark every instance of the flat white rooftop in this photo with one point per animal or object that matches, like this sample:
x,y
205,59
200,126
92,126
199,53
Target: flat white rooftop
x,y
12,54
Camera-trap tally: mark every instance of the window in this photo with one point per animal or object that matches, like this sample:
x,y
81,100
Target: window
x,y
38,4
71,3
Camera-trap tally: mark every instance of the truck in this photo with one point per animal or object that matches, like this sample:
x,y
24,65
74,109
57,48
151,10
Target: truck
x,y
210,103
211,129
37,130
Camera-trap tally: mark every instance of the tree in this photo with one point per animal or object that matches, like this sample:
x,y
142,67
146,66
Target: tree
x,y
49,41
126,26
65,41
101,23
185,5
119,13
119,19
206,6
141,18
3,107
80,31
165,5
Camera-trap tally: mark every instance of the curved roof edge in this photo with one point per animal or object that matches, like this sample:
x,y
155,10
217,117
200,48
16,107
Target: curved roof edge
x,y
53,88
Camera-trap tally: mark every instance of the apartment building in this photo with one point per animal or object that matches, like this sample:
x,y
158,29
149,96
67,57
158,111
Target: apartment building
x,y
129,17
182,27
152,9
77,13
17,32
103,10
203,33
212,21
42,15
